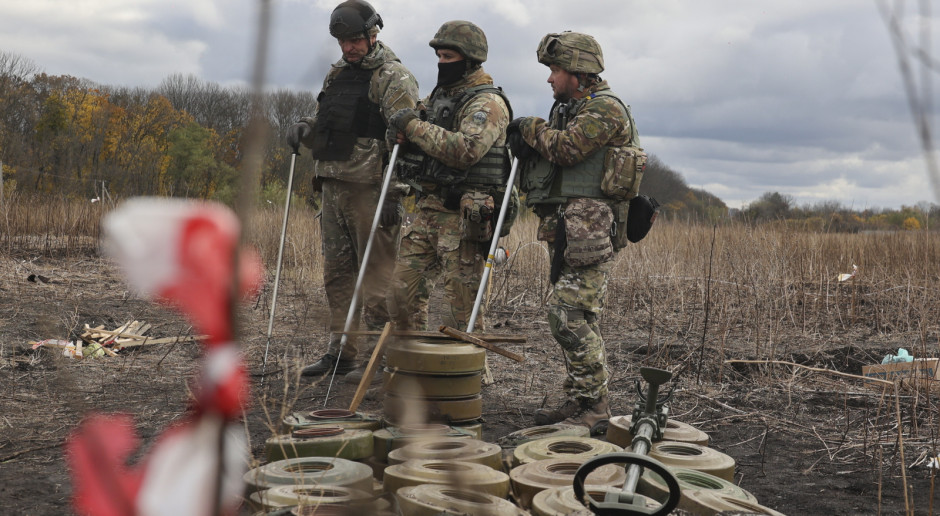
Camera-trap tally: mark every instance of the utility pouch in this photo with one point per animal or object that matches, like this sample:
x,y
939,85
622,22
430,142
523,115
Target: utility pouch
x,y
537,174
587,225
409,165
476,216
623,171
443,175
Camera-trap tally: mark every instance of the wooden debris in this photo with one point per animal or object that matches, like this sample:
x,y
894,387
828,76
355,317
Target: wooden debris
x,y
129,335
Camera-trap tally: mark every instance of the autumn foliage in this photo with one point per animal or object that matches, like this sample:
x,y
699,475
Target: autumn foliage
x,y
69,136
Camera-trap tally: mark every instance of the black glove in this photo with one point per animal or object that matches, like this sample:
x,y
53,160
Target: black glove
x,y
401,118
516,143
298,133
391,213
391,137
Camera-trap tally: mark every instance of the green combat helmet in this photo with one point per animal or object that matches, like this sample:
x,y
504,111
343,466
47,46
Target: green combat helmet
x,y
462,36
354,19
573,52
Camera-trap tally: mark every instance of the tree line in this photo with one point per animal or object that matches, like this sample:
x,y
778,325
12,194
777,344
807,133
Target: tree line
x,y
781,209
73,137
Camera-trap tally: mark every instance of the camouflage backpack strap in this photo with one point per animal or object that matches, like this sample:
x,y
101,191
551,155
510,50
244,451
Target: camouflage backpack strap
x,y
473,91
634,133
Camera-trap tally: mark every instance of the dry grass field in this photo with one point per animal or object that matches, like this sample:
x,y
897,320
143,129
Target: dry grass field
x,y
765,345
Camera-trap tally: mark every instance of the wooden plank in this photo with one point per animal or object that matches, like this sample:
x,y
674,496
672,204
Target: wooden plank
x,y
118,334
93,333
166,340
492,337
120,329
370,369
466,337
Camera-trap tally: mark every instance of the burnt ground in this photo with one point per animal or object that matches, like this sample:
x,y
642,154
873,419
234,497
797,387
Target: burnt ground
x,y
805,442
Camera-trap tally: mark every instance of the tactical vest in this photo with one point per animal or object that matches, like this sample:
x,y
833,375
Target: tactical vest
x,y
548,183
490,172
345,113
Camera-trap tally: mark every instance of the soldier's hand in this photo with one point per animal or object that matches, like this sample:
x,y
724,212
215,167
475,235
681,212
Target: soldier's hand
x,y
298,133
516,143
391,213
393,137
401,118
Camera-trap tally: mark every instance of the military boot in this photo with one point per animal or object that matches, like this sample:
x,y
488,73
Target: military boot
x,y
355,376
327,364
569,408
593,414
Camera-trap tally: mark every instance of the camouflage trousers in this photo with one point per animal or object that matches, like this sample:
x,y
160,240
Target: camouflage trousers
x,y
345,223
577,299
431,246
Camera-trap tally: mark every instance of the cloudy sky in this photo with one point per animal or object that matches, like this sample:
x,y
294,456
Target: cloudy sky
x,y
741,97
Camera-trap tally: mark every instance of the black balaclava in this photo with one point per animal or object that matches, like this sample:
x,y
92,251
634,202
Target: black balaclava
x,y
449,73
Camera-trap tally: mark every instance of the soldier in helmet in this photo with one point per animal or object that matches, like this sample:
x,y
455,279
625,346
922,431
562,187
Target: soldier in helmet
x,y
457,165
565,161
347,136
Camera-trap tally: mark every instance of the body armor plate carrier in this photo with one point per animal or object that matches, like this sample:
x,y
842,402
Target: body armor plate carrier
x,y
345,113
489,173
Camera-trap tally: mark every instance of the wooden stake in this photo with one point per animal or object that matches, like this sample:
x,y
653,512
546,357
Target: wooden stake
x,y
466,337
370,369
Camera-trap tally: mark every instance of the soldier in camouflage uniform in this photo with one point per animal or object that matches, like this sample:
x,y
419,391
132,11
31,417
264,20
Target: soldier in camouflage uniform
x,y
564,161
347,135
457,164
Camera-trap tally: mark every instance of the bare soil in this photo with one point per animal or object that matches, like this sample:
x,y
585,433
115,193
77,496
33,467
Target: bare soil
x,y
805,442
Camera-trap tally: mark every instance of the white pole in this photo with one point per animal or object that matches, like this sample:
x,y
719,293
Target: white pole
x,y
280,256
490,257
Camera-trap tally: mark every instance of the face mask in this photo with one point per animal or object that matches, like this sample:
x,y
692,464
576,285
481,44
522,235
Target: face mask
x,y
449,73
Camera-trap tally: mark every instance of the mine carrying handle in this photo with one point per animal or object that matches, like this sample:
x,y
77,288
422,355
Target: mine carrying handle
x,y
626,501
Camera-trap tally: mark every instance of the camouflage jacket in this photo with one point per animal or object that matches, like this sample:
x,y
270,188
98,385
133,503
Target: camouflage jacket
x,y
480,125
593,122
392,87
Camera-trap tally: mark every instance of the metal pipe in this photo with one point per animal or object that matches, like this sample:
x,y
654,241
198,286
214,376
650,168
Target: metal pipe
x,y
362,266
641,446
280,256
490,257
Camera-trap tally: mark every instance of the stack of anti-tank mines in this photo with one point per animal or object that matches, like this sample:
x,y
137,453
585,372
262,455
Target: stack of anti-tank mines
x,y
335,462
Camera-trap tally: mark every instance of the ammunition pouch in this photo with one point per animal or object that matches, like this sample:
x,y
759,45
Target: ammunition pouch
x,y
476,216
623,171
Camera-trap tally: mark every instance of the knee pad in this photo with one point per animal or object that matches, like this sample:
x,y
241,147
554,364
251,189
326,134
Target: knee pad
x,y
567,327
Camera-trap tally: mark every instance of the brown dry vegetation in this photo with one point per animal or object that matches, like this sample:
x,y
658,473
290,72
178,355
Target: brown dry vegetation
x,y
689,298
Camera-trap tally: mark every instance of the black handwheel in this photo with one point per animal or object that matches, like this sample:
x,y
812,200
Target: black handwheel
x,y
616,508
